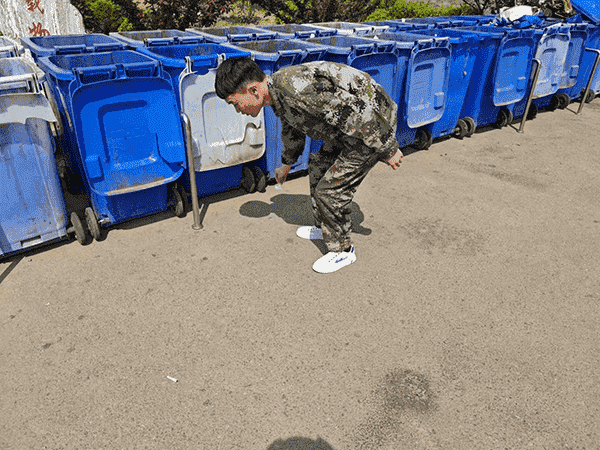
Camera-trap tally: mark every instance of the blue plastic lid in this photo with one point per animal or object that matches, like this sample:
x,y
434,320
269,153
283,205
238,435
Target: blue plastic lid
x,y
589,8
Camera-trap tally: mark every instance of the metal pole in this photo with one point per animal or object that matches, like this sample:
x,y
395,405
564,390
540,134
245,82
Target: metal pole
x,y
191,166
530,98
589,83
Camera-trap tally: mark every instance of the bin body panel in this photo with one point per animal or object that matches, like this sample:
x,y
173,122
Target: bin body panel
x,y
70,44
221,136
32,207
123,130
574,56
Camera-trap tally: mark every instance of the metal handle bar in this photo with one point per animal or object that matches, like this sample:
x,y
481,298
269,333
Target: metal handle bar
x,y
589,83
192,168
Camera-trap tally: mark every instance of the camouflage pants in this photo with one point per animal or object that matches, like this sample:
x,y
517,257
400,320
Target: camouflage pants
x,y
334,174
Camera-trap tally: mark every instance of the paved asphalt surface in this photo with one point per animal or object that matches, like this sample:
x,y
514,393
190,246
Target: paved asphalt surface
x,y
469,321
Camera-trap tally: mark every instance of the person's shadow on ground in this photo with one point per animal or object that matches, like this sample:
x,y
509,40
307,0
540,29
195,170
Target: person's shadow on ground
x,y
300,443
296,209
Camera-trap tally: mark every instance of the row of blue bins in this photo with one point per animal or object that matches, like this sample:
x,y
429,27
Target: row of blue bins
x,y
132,112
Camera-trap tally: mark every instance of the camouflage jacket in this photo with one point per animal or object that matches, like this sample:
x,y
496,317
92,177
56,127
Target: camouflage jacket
x,y
325,100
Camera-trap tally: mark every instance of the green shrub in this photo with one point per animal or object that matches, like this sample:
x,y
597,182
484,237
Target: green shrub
x,y
398,9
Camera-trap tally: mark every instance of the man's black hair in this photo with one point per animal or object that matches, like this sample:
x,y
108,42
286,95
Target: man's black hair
x,y
234,73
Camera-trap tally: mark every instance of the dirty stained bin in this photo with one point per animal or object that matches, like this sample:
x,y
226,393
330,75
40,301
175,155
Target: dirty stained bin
x,y
224,142
396,62
232,34
271,56
9,49
126,138
295,31
135,39
70,44
32,207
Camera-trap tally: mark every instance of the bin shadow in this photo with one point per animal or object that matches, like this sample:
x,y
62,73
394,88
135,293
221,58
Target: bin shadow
x,y
296,209
300,443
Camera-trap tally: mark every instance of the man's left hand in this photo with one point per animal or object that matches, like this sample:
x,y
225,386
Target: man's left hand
x,y
395,160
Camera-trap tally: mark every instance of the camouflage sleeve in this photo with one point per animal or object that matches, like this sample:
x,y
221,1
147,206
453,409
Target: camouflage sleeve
x,y
370,118
293,143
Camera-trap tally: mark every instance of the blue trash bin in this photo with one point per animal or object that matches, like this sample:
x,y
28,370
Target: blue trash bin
x,y
465,47
586,61
224,142
70,44
298,31
271,56
32,207
135,39
503,69
9,49
221,35
396,62
551,50
125,133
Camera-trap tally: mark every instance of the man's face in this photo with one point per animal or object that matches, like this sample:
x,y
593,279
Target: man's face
x,y
246,101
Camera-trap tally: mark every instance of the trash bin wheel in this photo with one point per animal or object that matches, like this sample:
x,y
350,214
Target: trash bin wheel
x,y
78,229
248,180
472,126
261,179
504,118
563,100
176,202
423,139
554,103
92,222
461,129
533,111
184,198
588,97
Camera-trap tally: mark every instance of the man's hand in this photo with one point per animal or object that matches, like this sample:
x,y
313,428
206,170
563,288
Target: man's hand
x,y
395,160
281,173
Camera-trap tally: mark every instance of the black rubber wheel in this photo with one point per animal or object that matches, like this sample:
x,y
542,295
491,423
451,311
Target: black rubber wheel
x,y
248,181
461,129
471,125
510,117
564,100
261,179
554,103
591,95
80,233
423,139
92,223
184,198
176,202
533,111
502,119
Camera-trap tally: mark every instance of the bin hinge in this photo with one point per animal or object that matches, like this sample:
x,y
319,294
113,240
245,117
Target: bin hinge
x,y
222,57
188,65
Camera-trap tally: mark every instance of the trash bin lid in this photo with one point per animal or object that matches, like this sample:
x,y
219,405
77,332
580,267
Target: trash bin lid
x,y
589,8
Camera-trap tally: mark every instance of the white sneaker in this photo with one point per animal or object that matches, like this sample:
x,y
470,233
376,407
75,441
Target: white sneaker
x,y
333,261
309,233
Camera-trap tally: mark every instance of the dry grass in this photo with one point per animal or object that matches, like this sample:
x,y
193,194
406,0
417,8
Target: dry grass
x,y
245,13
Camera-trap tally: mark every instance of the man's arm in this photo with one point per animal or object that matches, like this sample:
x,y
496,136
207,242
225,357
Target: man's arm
x,y
293,143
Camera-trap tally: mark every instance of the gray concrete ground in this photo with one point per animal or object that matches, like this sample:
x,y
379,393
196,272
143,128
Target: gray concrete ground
x,y
469,321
